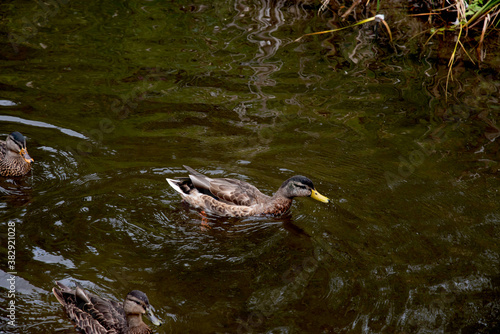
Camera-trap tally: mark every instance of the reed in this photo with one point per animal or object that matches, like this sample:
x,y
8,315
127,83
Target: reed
x,y
475,21
478,17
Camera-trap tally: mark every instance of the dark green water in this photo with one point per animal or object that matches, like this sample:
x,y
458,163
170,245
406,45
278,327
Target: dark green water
x,y
115,97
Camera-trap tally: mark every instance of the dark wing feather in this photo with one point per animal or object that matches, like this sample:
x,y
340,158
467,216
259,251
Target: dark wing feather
x,y
91,314
84,322
109,313
236,192
230,191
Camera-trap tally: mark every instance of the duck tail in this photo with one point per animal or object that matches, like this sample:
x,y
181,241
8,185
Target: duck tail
x,y
175,184
61,292
58,294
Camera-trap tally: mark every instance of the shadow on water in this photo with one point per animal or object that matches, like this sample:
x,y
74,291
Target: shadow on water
x,y
114,98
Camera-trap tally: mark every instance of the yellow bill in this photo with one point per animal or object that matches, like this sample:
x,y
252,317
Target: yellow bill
x,y
317,196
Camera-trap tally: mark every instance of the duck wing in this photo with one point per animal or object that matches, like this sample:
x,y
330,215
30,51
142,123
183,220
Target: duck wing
x,y
230,191
236,192
91,314
108,313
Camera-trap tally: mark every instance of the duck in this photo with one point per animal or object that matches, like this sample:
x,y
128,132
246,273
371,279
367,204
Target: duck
x,y
14,157
92,314
236,198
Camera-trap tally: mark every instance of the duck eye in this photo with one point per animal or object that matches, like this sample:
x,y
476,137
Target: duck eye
x,y
137,302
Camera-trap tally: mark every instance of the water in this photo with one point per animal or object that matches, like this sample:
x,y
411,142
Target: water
x,y
114,98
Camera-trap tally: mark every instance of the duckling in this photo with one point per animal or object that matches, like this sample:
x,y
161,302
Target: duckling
x,y
235,198
14,157
92,314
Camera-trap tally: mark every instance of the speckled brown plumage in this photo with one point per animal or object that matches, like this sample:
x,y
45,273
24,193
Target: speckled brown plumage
x,y
14,157
95,315
235,198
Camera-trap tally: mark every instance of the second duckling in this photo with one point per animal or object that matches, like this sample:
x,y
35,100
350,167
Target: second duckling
x,y
14,157
95,315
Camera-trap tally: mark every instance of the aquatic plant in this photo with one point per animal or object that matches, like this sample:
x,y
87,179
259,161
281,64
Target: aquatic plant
x,y
470,15
469,22
376,18
479,16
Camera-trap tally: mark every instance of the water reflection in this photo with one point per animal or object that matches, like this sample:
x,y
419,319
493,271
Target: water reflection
x,y
69,132
117,107
15,192
268,20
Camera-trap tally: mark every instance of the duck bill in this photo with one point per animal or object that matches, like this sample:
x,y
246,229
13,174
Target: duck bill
x,y
317,196
26,156
150,315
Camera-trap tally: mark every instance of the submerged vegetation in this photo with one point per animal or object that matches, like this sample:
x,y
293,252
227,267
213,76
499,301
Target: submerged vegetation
x,y
481,16
477,17
467,25
458,43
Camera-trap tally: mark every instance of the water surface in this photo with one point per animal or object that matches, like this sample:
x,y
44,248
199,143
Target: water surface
x,y
113,98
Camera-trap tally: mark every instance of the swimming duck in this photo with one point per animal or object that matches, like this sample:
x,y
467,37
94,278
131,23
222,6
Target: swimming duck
x,y
235,198
14,157
95,315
